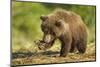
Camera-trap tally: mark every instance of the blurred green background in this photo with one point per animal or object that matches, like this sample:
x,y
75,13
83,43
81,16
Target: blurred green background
x,y
26,22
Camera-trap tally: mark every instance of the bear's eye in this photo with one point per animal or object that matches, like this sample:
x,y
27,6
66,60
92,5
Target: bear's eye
x,y
58,24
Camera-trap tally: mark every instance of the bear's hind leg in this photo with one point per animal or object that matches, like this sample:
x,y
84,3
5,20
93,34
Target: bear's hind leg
x,y
81,47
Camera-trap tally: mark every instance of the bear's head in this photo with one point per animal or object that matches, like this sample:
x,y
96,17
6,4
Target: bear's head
x,y
52,27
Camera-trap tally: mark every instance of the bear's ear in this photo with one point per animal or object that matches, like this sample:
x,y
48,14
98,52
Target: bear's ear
x,y
43,18
58,23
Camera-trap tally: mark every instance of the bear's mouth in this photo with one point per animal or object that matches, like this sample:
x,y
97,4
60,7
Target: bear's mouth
x,y
48,39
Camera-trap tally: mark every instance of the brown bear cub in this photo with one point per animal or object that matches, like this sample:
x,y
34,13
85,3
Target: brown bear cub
x,y
66,26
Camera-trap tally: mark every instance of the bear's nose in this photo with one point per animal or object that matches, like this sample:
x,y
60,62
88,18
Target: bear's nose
x,y
46,29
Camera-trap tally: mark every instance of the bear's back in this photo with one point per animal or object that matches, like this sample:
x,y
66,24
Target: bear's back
x,y
76,24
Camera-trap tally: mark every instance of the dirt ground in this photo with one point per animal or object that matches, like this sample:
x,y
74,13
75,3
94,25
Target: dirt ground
x,y
49,57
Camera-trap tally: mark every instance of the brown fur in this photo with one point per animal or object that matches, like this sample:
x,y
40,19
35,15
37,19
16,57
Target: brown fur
x,y
71,30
